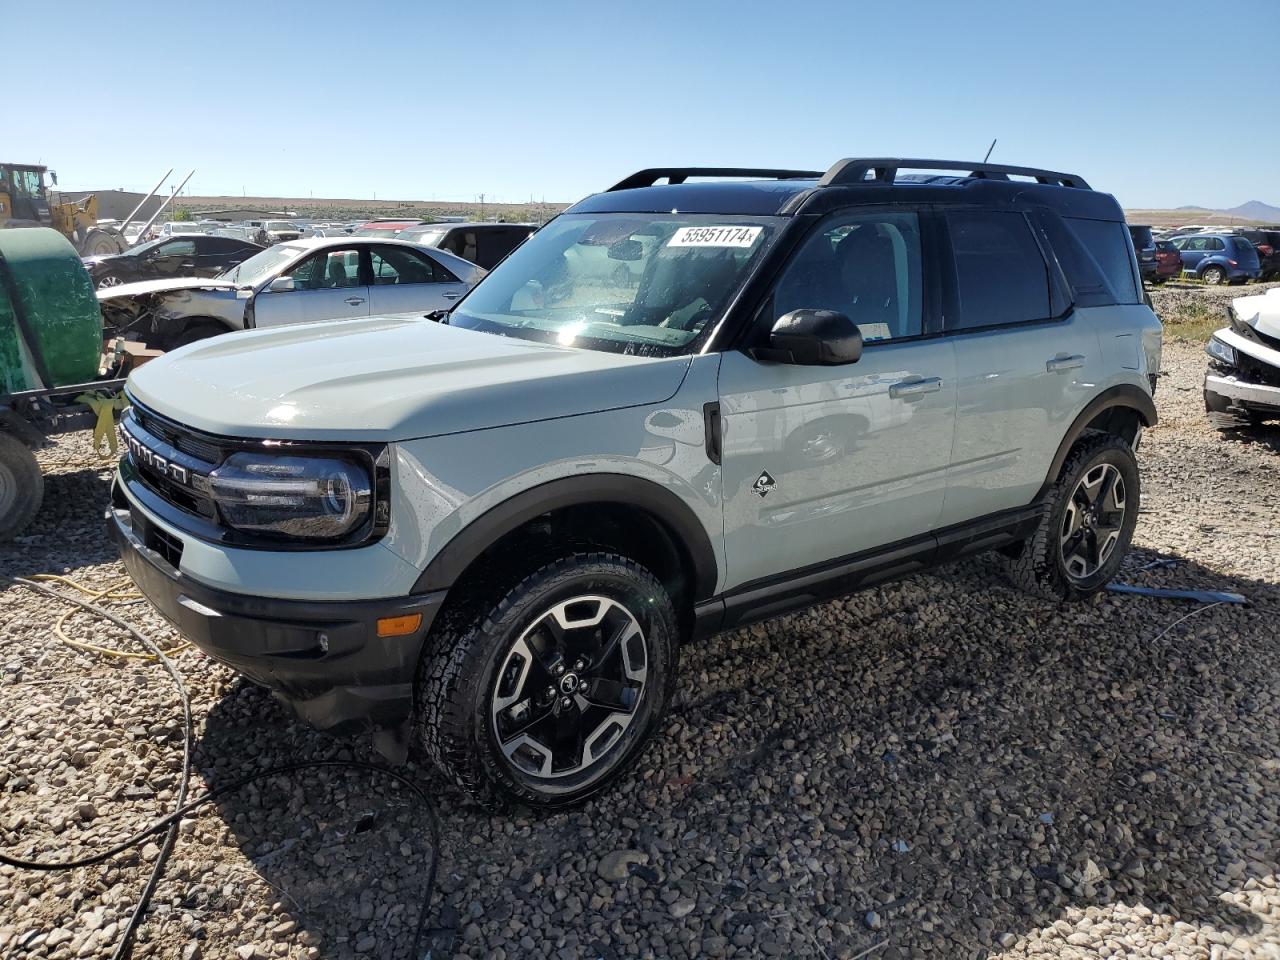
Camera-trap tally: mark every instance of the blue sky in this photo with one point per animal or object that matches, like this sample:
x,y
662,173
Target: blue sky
x,y
419,100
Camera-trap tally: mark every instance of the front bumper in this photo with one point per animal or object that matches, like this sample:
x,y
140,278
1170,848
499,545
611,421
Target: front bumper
x,y
324,658
1252,396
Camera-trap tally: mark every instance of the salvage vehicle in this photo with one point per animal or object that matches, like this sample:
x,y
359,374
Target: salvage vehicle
x,y
1145,246
1267,243
279,231
50,358
1218,258
484,244
386,229
1168,262
322,278
1242,385
489,536
198,255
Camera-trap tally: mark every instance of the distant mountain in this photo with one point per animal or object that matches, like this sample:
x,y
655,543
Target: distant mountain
x,y
1256,210
1253,210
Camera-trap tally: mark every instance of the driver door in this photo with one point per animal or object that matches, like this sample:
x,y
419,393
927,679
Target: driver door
x,y
823,462
328,285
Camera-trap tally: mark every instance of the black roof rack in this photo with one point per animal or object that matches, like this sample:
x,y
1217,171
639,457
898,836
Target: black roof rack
x,y
647,178
885,169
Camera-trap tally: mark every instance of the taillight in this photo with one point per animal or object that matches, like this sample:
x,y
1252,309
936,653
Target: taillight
x,y
1233,263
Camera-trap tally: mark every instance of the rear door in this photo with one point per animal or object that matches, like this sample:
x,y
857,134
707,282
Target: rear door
x,y
1025,361
822,462
405,279
328,285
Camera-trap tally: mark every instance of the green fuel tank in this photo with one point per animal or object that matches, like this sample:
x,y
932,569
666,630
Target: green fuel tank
x,y
50,324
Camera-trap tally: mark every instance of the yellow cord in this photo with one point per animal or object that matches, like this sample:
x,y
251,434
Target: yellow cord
x,y
119,589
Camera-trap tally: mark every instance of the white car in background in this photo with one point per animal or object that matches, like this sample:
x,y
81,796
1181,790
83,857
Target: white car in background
x,y
320,278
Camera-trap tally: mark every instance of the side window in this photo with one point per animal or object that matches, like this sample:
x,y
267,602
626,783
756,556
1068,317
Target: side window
x,y
397,265
177,248
1195,244
461,243
328,270
1215,243
866,266
1105,241
1001,276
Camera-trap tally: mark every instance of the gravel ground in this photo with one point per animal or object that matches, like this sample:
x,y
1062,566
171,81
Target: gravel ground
x,y
936,768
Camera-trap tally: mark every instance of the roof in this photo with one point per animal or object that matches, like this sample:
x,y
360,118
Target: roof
x,y
850,182
462,224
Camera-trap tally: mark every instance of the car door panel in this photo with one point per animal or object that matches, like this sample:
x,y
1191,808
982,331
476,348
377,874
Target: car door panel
x,y
328,286
406,280
824,462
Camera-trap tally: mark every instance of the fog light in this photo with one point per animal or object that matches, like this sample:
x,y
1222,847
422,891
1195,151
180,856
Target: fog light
x,y
399,626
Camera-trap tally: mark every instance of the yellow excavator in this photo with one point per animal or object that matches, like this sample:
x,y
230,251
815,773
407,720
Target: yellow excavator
x,y
24,202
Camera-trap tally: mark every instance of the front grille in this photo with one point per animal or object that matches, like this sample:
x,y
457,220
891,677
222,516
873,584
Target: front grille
x,y
177,436
172,462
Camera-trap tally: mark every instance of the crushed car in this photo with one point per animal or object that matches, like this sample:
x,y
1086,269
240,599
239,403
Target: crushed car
x,y
1242,384
322,278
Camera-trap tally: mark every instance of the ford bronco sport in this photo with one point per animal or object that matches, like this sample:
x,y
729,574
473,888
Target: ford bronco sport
x,y
489,535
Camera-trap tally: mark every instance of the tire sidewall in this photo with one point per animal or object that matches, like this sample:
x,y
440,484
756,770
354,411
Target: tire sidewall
x,y
653,612
1121,457
21,471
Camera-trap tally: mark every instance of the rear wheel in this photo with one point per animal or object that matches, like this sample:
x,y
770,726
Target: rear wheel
x,y
101,243
1091,512
193,331
108,280
21,486
548,690
1213,275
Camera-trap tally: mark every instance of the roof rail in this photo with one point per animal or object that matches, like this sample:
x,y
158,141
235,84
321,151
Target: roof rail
x,y
885,170
647,178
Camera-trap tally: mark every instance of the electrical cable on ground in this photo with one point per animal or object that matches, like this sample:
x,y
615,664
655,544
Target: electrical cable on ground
x,y
169,823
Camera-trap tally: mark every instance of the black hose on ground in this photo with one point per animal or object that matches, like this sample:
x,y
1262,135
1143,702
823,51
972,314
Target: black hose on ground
x,y
169,823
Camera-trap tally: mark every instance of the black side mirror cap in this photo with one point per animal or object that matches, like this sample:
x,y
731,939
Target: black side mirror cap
x,y
812,338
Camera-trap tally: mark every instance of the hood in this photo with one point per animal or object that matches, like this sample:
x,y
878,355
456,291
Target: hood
x,y
163,286
389,378
1260,311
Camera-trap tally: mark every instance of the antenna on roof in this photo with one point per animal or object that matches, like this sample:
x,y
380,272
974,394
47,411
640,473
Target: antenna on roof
x,y
989,149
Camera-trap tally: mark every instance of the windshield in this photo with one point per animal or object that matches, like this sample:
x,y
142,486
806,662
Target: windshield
x,y
262,265
623,282
281,225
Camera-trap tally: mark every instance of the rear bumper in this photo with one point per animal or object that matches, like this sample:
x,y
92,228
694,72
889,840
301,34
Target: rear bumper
x,y
1257,396
324,658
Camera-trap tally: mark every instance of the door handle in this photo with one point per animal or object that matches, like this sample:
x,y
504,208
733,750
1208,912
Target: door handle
x,y
355,301
1058,364
451,296
915,388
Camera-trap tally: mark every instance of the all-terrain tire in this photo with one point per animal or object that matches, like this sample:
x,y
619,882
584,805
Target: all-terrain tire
x,y
458,678
1038,566
21,486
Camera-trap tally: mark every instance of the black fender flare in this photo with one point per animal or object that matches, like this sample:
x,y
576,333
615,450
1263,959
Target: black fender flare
x,y
658,502
1125,396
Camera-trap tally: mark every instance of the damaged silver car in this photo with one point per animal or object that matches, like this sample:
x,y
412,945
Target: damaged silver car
x,y
320,278
1242,385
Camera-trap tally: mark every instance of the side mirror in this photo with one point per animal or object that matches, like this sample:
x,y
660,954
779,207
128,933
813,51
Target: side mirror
x,y
282,285
812,338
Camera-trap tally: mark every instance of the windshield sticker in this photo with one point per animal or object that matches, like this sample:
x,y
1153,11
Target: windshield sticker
x,y
875,331
714,237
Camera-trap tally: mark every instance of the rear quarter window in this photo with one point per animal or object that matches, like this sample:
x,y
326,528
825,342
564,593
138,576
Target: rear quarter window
x,y
1109,244
1001,276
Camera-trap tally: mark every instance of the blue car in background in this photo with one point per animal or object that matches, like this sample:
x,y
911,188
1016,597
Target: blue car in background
x,y
1219,257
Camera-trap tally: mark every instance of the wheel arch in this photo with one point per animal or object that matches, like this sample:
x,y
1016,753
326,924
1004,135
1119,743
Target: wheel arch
x,y
1118,410
587,504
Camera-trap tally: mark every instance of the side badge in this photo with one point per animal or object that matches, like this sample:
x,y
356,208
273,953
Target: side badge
x,y
764,483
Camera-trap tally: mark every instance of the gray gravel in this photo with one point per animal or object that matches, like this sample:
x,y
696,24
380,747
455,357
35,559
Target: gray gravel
x,y
937,768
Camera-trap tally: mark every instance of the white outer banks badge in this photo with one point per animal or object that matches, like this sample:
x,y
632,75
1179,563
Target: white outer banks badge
x,y
764,483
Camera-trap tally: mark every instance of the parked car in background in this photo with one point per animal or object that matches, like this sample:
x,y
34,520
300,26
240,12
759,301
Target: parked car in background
x,y
1168,261
1267,243
1144,244
1242,385
484,244
323,278
387,229
194,255
280,231
1218,257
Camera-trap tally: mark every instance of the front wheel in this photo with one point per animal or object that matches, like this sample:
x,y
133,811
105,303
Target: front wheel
x,y
546,692
1090,515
